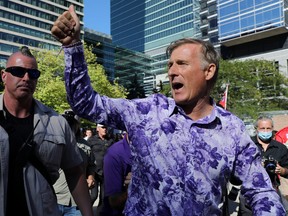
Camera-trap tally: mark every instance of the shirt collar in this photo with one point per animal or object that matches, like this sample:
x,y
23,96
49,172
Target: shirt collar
x,y
215,114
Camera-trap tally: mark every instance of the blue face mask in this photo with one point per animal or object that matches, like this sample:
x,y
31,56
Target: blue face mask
x,y
264,136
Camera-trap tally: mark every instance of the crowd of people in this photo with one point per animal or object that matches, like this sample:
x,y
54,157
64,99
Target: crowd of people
x,y
174,156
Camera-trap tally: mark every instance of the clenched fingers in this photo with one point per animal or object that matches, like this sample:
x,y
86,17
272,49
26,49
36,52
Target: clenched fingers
x,y
63,26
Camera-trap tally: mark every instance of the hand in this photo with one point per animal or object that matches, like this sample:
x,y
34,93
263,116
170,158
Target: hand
x,y
280,170
66,29
127,179
91,182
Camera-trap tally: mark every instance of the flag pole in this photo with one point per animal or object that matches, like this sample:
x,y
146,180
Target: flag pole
x,y
226,96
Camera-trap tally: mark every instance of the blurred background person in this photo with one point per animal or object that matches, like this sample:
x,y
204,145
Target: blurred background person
x,y
88,133
117,166
66,203
99,143
274,157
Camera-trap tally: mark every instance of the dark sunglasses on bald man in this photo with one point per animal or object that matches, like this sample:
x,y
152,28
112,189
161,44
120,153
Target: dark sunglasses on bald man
x,y
21,71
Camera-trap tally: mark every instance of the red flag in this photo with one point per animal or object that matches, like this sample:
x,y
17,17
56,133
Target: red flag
x,y
282,135
223,101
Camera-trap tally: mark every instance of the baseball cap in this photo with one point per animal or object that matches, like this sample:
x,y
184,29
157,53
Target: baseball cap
x,y
101,125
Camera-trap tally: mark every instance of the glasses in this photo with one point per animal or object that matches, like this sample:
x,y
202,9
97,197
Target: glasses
x,y
20,72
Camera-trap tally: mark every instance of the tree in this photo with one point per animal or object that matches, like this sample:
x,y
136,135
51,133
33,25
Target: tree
x,y
254,85
135,89
51,89
166,90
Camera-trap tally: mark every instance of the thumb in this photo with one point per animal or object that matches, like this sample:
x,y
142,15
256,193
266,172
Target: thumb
x,y
73,13
71,9
76,23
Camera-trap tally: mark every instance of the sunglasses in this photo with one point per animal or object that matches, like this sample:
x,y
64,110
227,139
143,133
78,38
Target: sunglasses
x,y
20,72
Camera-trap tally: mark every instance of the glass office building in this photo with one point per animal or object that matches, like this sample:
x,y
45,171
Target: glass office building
x,y
167,21
237,28
241,21
254,29
149,26
103,48
128,23
209,21
119,62
28,22
144,25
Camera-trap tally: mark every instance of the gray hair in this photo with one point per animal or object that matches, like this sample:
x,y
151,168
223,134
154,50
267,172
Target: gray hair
x,y
263,118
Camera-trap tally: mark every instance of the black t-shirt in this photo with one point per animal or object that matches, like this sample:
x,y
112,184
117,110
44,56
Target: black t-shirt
x,y
18,130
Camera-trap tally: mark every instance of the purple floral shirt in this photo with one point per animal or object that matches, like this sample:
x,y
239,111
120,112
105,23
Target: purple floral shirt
x,y
180,166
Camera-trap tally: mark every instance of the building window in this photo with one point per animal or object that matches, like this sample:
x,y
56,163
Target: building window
x,y
213,23
212,9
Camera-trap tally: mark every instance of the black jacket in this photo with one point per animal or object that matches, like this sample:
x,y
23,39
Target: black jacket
x,y
99,148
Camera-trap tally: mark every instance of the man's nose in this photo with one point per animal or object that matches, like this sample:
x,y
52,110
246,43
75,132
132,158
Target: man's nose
x,y
173,70
26,76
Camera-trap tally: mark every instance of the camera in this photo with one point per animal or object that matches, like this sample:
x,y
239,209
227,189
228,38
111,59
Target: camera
x,y
270,164
70,116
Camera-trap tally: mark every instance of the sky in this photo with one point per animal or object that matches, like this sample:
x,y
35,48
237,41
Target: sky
x,y
97,15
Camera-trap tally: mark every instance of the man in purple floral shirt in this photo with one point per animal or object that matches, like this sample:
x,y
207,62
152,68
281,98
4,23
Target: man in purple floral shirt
x,y
184,149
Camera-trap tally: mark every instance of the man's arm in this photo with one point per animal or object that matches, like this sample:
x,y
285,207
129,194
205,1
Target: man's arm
x,y
282,165
256,188
91,170
115,183
78,187
118,201
81,96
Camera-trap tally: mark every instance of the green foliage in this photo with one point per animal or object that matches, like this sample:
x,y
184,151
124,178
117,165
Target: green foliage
x,y
254,85
51,88
166,90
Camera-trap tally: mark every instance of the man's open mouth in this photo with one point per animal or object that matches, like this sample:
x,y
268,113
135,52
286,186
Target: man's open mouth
x,y
177,85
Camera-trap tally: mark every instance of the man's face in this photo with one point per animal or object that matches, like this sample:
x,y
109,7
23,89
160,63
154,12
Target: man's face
x,y
264,126
102,131
17,87
187,75
88,133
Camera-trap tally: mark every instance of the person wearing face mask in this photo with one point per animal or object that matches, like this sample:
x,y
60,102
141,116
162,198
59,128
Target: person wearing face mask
x,y
274,157
272,151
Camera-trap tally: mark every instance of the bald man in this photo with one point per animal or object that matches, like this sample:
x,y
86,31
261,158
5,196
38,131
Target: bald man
x,y
34,143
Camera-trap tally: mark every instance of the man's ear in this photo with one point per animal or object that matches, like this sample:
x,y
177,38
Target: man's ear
x,y
210,71
3,76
